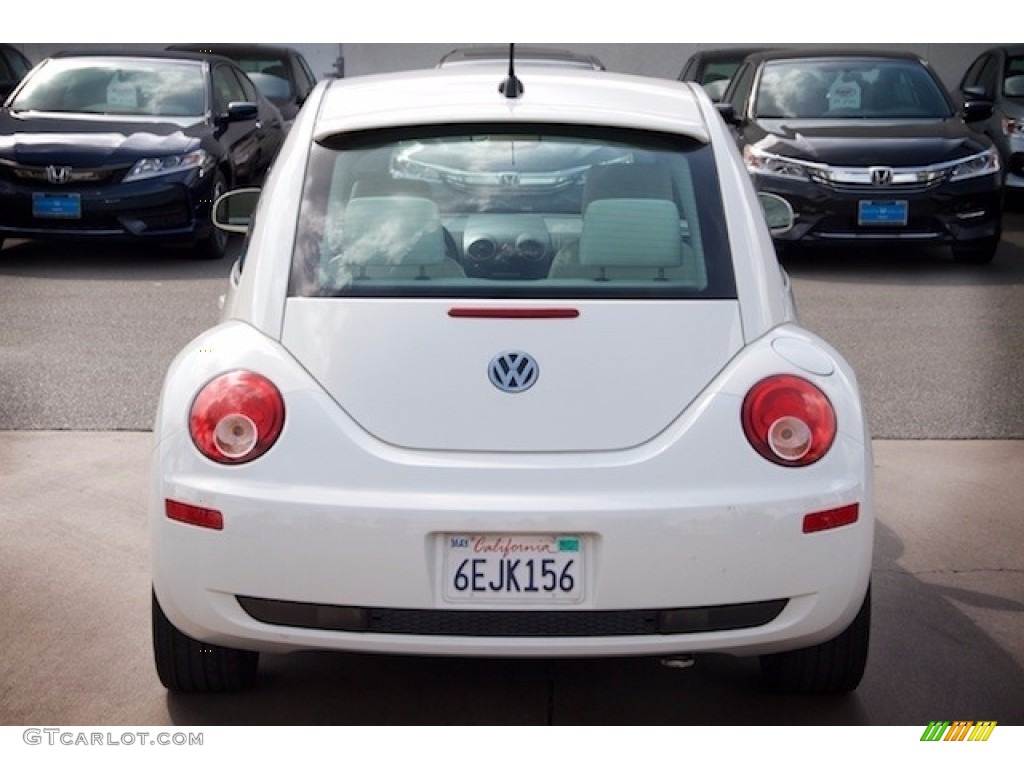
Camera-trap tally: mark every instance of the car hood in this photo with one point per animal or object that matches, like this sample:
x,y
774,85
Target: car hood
x,y
43,139
903,143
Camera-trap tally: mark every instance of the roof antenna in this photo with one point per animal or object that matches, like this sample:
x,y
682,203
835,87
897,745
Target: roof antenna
x,y
511,86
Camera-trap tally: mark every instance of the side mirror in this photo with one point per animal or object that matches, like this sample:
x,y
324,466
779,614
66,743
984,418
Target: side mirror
x,y
242,110
232,211
777,212
728,112
977,109
975,104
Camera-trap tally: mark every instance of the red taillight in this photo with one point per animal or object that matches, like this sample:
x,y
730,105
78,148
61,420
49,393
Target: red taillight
x,y
236,417
789,421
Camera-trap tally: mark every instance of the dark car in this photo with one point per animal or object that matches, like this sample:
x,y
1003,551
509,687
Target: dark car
x,y
997,75
132,147
13,66
282,74
713,68
867,147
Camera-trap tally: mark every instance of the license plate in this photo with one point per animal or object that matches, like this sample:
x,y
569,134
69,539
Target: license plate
x,y
52,206
520,568
875,212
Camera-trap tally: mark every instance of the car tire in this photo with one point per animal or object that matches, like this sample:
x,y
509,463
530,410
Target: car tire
x,y
836,666
189,666
978,252
215,245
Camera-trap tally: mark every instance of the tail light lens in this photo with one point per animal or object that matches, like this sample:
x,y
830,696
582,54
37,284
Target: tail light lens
x,y
789,421
236,417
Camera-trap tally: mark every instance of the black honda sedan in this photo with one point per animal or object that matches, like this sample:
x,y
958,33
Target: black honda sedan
x,y
131,147
868,148
281,73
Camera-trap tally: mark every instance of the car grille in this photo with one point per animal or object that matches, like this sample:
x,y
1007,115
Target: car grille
x,y
555,623
861,188
916,226
45,177
879,178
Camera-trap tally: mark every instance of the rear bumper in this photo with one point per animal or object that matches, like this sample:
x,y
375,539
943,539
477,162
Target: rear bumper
x,y
334,540
350,575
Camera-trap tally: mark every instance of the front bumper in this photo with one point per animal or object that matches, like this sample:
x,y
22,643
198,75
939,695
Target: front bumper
x,y
950,212
174,209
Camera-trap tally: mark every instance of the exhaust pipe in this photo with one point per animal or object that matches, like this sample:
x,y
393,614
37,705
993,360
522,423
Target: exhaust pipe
x,y
679,662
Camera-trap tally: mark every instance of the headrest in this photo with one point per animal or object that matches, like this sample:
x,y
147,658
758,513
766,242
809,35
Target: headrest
x,y
392,231
626,180
631,233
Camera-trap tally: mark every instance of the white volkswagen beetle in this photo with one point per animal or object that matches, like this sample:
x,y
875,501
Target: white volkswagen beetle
x,y
509,368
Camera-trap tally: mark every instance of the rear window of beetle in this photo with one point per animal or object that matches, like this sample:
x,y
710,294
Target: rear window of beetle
x,y
531,212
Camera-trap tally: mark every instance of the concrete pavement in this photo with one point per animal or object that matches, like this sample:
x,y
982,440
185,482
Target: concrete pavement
x,y
947,642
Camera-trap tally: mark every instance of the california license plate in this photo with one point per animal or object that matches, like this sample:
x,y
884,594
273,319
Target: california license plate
x,y
882,212
520,568
51,206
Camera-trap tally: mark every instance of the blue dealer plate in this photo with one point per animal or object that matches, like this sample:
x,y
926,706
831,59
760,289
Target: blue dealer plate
x,y
50,206
876,212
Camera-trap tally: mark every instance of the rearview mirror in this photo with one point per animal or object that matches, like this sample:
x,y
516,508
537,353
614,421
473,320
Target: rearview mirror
x,y
232,211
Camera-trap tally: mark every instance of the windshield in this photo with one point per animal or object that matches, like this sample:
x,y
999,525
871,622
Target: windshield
x,y
1014,83
532,213
845,88
270,75
92,85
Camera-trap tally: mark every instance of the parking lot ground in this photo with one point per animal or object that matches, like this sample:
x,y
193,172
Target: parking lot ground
x,y
947,638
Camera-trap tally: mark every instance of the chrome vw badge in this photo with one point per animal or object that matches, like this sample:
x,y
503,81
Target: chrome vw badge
x,y
513,372
58,174
881,176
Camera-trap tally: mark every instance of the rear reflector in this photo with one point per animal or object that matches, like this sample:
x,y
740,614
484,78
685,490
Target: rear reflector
x,y
187,513
831,518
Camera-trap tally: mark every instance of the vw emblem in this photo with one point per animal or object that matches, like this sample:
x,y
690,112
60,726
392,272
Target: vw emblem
x,y
881,177
58,174
513,372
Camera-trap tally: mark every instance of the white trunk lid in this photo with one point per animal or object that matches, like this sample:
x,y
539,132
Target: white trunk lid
x,y
611,377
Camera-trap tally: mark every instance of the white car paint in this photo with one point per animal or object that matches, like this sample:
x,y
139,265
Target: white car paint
x,y
395,442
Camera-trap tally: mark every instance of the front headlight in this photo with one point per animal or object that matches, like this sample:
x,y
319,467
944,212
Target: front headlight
x,y
982,164
759,161
150,167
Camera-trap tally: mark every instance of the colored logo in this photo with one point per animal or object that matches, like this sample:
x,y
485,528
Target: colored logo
x,y
959,730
